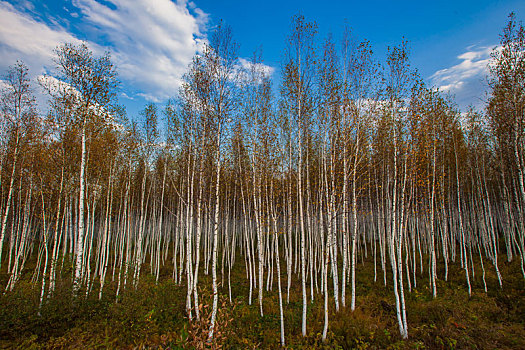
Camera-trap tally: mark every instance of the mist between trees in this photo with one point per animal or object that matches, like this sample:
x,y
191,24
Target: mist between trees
x,y
352,158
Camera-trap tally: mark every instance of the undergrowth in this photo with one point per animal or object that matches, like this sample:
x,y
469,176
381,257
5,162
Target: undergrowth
x,y
153,316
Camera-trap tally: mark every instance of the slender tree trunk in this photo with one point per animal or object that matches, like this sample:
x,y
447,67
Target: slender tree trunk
x,y
79,251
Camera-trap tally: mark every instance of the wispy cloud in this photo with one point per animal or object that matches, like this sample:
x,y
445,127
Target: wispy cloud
x,y
23,37
260,67
467,79
152,41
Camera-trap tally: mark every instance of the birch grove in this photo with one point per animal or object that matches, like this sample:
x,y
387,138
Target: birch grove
x,y
292,182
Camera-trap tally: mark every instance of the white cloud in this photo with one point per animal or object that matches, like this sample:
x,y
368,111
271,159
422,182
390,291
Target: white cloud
x,y
467,79
57,87
153,41
123,94
248,73
149,97
259,67
22,37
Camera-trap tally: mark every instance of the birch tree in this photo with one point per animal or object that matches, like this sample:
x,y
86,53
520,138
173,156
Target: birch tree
x,y
296,91
88,86
18,116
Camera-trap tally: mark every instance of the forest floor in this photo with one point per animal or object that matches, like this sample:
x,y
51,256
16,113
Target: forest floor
x,y
153,315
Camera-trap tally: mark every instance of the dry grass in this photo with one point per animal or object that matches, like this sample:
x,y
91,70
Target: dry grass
x,y
154,317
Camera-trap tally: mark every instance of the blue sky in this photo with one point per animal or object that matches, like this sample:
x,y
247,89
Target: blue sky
x,y
152,41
